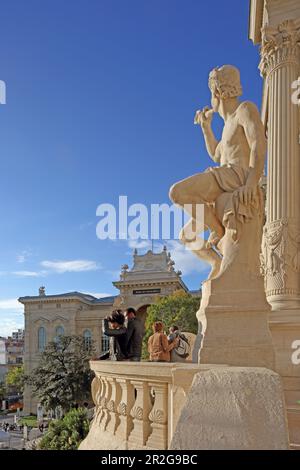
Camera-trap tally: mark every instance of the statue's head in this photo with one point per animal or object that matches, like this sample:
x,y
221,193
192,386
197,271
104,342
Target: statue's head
x,y
224,83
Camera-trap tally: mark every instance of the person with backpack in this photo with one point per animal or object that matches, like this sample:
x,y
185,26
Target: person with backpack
x,y
158,345
182,350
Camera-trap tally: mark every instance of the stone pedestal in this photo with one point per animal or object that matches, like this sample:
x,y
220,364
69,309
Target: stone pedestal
x,y
233,324
285,329
233,408
233,314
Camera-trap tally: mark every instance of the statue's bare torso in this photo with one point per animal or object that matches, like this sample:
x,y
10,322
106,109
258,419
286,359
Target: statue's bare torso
x,y
234,148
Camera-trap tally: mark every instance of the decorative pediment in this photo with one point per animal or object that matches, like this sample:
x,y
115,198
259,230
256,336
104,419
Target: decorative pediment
x,y
59,318
42,319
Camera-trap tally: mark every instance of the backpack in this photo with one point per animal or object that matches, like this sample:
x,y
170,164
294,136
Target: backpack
x,y
183,349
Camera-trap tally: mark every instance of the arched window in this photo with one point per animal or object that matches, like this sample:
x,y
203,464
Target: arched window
x,y
87,339
59,331
41,339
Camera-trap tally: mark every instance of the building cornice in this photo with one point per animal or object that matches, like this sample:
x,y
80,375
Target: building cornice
x,y
66,298
150,284
255,20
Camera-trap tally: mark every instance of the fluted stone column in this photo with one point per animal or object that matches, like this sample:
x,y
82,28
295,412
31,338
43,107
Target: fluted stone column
x,y
280,66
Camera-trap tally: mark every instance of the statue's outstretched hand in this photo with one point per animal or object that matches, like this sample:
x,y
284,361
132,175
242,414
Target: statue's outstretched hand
x,y
204,117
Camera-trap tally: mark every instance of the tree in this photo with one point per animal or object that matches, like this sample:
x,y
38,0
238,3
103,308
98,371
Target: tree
x,y
177,309
3,391
66,433
15,379
63,375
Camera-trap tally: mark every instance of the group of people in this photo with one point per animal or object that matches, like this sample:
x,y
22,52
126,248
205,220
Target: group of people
x,y
172,348
4,426
126,341
126,333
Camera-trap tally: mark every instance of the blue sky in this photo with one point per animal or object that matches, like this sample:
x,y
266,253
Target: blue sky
x,y
101,97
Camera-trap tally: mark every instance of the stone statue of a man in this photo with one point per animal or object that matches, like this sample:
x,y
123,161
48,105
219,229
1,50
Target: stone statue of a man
x,y
229,192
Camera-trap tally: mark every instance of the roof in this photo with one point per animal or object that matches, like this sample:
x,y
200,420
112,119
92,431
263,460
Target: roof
x,y
85,297
195,292
103,300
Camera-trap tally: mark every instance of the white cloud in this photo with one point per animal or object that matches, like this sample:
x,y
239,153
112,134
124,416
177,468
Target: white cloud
x,y
11,304
10,324
11,316
28,273
185,260
71,266
23,256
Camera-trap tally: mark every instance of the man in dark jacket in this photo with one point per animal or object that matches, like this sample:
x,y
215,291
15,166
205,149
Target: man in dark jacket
x,y
113,326
134,336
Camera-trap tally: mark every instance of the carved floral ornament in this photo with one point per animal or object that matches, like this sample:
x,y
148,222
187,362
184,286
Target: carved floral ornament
x,y
283,40
280,249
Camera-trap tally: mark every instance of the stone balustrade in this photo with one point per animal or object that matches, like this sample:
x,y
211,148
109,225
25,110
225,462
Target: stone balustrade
x,y
137,405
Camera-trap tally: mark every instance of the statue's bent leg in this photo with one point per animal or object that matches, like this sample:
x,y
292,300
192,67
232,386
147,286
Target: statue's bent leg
x,y
198,246
201,188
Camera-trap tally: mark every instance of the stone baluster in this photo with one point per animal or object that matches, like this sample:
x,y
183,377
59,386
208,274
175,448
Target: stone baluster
x,y
113,404
124,408
102,399
96,388
158,438
104,402
140,413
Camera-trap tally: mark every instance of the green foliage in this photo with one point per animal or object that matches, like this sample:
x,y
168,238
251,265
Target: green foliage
x,y
30,421
3,392
176,309
63,375
15,379
66,433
